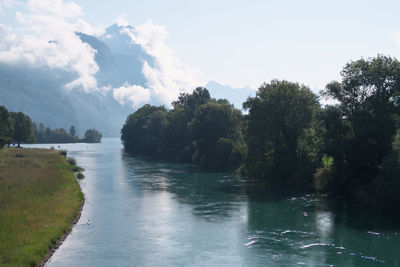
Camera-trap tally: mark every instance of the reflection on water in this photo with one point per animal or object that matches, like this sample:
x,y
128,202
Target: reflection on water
x,y
147,213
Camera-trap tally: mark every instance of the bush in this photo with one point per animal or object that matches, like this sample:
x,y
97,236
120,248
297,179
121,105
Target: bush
x,y
324,177
63,152
71,161
77,169
80,175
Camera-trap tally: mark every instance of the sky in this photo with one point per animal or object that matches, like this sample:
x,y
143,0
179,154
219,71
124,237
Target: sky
x,y
236,43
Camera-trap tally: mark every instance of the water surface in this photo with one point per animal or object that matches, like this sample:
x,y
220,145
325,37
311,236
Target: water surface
x,y
147,213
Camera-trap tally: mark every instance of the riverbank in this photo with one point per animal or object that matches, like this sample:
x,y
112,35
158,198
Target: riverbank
x,y
40,201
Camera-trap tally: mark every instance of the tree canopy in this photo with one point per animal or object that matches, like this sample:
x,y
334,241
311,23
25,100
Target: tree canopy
x,y
278,117
197,128
6,127
92,136
23,130
350,150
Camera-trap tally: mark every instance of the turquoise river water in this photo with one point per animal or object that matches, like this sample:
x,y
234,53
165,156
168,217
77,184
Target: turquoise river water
x,y
148,213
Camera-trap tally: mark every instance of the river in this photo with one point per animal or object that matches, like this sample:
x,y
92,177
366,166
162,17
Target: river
x,y
148,213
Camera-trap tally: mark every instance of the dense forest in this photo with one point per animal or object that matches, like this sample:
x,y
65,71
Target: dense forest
x,y
349,150
17,127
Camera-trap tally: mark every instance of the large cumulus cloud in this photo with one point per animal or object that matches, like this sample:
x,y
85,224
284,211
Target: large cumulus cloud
x,y
46,36
169,76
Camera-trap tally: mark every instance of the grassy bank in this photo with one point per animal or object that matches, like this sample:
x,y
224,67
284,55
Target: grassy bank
x,y
39,198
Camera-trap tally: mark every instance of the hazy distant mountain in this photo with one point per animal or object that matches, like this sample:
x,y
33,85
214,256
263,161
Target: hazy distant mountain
x,y
40,92
235,95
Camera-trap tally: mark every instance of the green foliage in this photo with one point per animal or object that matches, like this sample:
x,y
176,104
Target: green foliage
x,y
327,161
142,131
215,128
23,129
63,152
92,136
324,179
350,150
71,160
80,176
278,117
45,135
360,130
6,127
198,129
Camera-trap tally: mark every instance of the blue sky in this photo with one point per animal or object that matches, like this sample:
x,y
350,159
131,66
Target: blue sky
x,y
242,43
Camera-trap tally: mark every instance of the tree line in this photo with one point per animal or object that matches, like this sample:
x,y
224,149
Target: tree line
x,y
45,135
17,127
348,150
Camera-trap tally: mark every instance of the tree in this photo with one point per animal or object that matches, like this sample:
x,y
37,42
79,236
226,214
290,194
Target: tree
x,y
278,117
6,127
72,130
216,122
23,130
368,97
143,130
92,136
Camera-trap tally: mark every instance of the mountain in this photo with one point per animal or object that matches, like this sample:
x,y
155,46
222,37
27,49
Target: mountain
x,y
234,95
40,91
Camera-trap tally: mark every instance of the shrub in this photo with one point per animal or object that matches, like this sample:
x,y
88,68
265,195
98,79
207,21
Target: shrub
x,y
323,177
63,152
71,161
77,169
80,175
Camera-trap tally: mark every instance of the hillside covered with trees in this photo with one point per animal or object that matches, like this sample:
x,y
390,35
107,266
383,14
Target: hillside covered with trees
x,y
288,140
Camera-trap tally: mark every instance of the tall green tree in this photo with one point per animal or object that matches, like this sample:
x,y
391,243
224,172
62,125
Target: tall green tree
x,y
6,127
278,116
216,122
23,129
143,130
368,97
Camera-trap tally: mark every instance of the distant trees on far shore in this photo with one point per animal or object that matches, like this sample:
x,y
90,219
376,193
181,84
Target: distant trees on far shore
x,y
45,135
17,128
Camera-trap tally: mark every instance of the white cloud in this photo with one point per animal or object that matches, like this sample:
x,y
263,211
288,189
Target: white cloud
x,y
46,38
169,76
133,93
121,21
85,27
56,8
4,4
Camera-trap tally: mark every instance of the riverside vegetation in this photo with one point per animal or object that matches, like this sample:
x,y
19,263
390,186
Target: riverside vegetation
x,y
349,150
17,127
39,198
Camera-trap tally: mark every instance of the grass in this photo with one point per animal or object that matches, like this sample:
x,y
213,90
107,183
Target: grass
x,y
39,198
